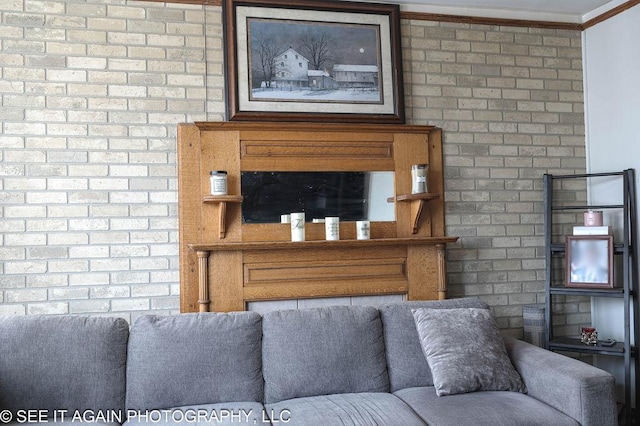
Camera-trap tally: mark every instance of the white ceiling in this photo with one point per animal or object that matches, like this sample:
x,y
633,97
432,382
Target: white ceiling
x,y
575,11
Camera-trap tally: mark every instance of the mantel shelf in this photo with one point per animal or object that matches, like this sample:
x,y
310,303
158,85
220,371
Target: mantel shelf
x,y
417,205
425,196
222,201
299,245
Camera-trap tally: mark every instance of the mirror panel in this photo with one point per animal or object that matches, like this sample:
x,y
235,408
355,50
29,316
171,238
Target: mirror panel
x,y
349,195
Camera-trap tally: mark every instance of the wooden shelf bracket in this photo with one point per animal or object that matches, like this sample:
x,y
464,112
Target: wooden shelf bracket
x,y
418,202
222,201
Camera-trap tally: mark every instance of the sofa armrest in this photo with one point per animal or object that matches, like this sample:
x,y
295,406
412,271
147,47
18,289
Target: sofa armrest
x,y
573,387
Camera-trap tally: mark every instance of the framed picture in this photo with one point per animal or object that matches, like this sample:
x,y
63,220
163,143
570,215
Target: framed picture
x,y
310,60
589,261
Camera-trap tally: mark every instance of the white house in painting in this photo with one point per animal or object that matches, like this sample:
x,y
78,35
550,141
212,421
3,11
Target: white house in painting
x,y
292,72
291,69
361,76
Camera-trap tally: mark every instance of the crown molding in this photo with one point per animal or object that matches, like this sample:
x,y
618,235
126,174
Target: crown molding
x,y
610,13
480,12
507,22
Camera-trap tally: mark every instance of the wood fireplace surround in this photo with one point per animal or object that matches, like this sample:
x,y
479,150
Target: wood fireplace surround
x,y
224,263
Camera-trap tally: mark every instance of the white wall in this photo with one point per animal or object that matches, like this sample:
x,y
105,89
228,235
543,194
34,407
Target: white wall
x,y
611,52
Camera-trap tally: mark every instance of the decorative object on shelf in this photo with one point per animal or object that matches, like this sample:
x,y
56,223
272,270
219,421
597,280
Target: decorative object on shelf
x,y
419,178
218,179
363,230
285,218
533,319
589,261
592,218
589,336
332,228
592,230
297,227
313,61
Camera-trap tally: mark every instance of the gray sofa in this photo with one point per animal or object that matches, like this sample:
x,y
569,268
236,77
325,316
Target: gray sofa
x,y
329,366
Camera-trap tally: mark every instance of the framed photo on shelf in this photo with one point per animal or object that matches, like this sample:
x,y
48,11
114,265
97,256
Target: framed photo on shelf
x,y
313,60
589,261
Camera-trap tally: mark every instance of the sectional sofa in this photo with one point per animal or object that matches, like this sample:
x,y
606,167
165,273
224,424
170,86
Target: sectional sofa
x,y
329,366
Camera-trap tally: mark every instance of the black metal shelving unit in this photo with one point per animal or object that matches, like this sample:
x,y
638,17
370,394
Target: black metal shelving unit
x,y
628,277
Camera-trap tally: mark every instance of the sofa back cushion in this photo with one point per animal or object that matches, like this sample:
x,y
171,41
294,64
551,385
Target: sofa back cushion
x,y
63,363
406,362
323,351
192,359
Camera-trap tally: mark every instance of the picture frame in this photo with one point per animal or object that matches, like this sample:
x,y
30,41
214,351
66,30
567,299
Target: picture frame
x,y
589,261
313,60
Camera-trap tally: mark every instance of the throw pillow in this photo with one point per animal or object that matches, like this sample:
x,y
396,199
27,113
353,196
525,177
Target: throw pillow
x,y
465,351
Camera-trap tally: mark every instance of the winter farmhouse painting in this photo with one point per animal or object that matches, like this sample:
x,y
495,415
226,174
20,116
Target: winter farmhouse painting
x,y
313,60
322,62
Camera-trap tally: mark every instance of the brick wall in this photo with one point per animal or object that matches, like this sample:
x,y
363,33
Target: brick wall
x,y
510,102
91,93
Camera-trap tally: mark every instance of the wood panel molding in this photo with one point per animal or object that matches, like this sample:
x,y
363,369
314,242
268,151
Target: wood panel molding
x,y
323,271
346,149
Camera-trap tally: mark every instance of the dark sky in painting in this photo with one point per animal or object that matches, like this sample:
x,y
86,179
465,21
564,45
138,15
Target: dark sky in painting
x,y
348,43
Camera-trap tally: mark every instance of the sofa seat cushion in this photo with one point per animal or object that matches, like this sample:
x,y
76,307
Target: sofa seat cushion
x,y
224,413
350,409
406,362
323,351
71,363
493,408
193,359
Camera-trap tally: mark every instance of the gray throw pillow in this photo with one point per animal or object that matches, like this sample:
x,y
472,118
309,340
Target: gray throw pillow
x,y
465,351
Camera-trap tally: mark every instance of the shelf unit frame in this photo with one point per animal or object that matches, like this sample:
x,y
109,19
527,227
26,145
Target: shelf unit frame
x,y
629,291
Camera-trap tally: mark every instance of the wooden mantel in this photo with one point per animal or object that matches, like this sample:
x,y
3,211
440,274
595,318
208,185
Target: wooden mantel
x,y
320,269
225,263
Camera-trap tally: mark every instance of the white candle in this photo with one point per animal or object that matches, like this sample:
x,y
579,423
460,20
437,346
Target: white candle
x,y
363,230
332,228
419,178
297,227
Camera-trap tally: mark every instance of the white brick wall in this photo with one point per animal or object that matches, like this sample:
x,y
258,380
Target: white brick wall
x,y
91,92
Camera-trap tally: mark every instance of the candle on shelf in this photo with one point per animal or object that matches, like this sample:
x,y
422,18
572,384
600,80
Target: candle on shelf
x,y
419,178
297,227
332,228
218,180
363,230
